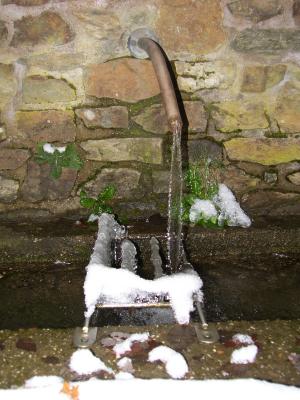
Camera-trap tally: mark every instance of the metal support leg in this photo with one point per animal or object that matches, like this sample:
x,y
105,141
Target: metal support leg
x,y
86,336
205,333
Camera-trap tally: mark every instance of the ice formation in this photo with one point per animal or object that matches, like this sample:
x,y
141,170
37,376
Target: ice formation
x,y
84,362
244,355
242,339
202,208
224,206
175,363
125,345
230,209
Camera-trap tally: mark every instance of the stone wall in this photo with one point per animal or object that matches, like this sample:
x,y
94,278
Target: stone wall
x,y
66,76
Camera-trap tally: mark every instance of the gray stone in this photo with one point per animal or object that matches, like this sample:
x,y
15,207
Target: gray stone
x,y
267,40
270,177
13,158
160,181
8,189
108,117
147,150
39,185
126,180
271,203
39,89
294,178
197,149
255,10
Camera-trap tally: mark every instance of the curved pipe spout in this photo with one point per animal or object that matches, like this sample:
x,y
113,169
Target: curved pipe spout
x,y
154,52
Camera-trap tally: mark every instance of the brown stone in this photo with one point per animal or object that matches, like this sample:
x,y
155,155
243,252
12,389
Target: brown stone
x,y
147,150
263,151
160,181
199,149
8,189
8,83
238,180
294,178
287,109
190,27
26,344
13,158
39,185
124,79
46,29
154,119
270,203
3,32
254,78
46,126
25,3
109,117
255,10
124,179
274,74
39,90
296,11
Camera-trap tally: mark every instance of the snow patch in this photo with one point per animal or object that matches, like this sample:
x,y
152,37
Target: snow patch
x,y
49,148
202,209
242,339
112,285
230,209
84,362
125,365
43,381
175,363
125,346
244,355
124,376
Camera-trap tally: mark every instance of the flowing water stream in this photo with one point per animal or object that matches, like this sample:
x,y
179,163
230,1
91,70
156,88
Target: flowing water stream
x,y
174,231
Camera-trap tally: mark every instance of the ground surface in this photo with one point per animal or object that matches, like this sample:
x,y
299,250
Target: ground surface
x,y
25,353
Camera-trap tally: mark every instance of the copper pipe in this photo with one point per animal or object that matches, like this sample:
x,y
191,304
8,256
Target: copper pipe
x,y
164,81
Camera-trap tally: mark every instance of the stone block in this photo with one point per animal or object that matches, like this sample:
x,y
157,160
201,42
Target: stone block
x,y
25,3
46,126
160,181
296,11
153,119
47,28
271,203
108,117
126,180
294,178
13,158
125,79
199,149
8,83
147,150
275,74
8,189
204,75
287,109
40,90
263,151
254,78
266,40
231,116
255,10
39,185
238,181
186,27
3,32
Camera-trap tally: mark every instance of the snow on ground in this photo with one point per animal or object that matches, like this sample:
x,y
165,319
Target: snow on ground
x,y
124,375
241,338
84,362
127,286
43,381
125,346
175,364
135,389
125,365
202,208
244,355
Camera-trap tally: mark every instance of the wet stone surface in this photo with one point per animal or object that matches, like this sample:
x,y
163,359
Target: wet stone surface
x,y
277,359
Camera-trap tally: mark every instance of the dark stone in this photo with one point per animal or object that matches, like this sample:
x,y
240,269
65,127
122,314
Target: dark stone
x,y
13,158
3,32
2,345
254,10
180,337
198,149
296,11
53,360
267,40
39,185
272,203
46,29
26,344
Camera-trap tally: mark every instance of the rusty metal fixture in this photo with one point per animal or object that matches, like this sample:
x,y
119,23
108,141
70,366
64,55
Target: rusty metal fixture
x,y
142,44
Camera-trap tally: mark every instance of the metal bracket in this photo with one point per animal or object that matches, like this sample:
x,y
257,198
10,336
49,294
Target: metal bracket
x,y
206,333
134,38
84,338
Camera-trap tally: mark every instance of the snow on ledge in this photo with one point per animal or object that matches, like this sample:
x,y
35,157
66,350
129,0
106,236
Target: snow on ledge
x,y
84,362
175,364
244,355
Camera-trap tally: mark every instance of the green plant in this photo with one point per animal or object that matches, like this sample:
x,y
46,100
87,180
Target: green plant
x,y
99,204
58,158
202,183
